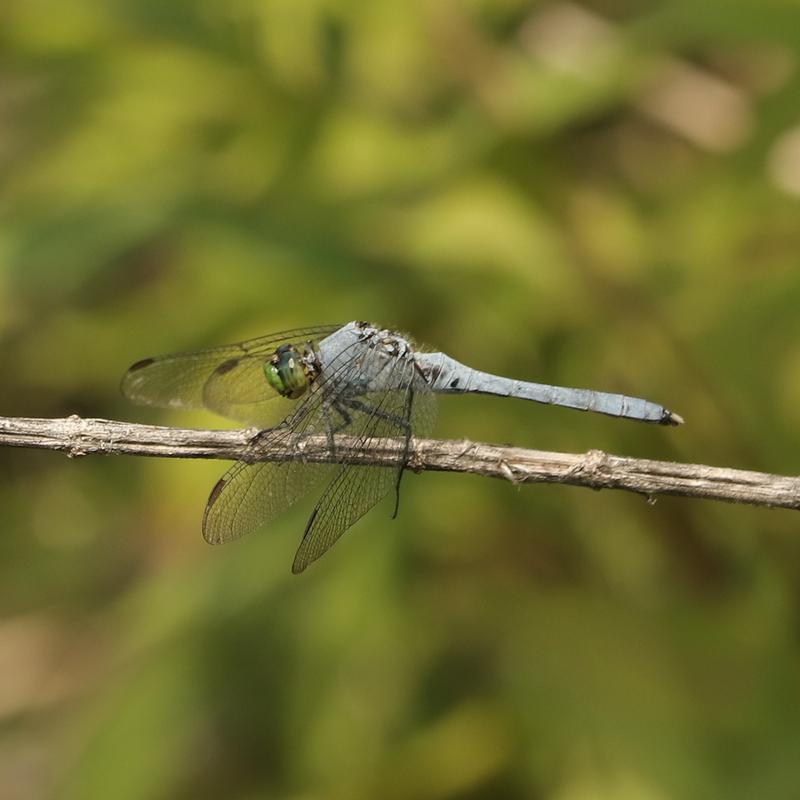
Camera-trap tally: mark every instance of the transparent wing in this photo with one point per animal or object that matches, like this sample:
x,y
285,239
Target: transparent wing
x,y
356,489
249,495
238,389
235,387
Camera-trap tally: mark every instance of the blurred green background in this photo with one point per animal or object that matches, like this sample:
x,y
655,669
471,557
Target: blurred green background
x,y
602,195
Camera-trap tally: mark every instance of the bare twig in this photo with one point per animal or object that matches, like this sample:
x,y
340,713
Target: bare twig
x,y
595,469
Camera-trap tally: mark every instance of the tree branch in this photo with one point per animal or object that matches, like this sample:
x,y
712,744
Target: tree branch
x,y
594,469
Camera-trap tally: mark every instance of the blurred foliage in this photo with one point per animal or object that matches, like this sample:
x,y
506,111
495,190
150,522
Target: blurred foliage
x,y
600,195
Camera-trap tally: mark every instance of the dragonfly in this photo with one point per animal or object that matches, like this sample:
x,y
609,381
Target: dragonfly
x,y
359,380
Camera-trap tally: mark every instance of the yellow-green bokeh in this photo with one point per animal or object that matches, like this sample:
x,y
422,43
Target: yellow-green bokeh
x,y
509,182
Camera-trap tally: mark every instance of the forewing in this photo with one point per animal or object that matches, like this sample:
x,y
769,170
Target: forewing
x,y
238,389
251,494
356,489
178,381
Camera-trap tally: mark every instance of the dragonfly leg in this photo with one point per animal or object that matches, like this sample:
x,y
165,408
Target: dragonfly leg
x,y
400,422
330,429
326,412
366,408
406,449
346,419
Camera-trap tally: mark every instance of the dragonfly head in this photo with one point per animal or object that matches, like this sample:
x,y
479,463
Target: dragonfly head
x,y
286,373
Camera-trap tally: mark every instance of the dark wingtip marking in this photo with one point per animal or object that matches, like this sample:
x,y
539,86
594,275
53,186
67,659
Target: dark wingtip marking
x,y
454,383
227,366
215,492
297,565
145,362
212,498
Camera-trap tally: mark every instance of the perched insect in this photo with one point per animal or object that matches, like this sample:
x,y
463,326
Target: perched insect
x,y
357,379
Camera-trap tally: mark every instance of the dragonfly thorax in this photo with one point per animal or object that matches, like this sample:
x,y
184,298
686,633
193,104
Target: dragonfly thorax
x,y
286,372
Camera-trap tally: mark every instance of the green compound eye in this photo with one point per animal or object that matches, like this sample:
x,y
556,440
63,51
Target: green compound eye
x,y
285,373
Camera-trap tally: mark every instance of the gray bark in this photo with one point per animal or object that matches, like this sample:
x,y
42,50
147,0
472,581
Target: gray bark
x,y
595,469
